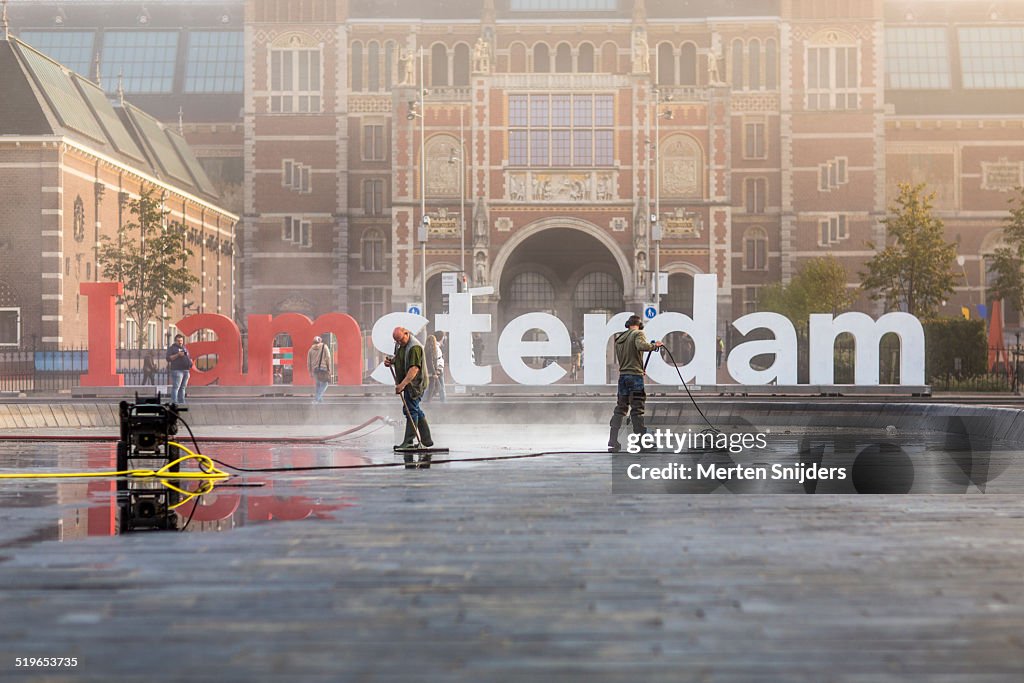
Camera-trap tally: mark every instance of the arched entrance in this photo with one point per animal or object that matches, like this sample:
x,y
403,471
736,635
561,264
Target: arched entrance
x,y
559,270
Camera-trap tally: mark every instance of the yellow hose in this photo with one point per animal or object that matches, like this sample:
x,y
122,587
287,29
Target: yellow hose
x,y
208,471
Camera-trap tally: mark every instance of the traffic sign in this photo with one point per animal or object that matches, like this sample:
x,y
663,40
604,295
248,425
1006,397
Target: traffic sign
x,y
650,310
414,307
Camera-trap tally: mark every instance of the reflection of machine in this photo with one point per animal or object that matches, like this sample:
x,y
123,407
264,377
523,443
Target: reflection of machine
x,y
147,428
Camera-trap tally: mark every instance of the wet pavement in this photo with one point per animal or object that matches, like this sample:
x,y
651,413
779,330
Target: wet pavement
x,y
511,570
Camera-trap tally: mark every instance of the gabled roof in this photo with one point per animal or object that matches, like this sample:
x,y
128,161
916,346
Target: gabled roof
x,y
42,97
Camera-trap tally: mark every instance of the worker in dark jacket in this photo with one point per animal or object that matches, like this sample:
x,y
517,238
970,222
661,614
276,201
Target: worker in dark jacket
x,y
630,396
411,381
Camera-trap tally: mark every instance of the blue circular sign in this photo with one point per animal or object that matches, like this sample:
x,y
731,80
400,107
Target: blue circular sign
x,y
415,310
650,312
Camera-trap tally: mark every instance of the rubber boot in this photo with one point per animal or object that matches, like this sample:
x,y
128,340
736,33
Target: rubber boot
x,y
410,435
425,432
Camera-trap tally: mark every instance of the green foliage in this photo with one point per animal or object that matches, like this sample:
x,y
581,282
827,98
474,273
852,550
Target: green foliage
x,y
1007,261
950,338
818,287
914,272
150,258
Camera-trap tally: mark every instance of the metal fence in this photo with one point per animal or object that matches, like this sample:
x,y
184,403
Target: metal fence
x,y
34,370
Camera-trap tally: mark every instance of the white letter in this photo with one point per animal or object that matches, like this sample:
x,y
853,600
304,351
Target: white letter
x,y
512,348
632,443
597,330
867,334
783,347
385,343
460,323
701,329
629,470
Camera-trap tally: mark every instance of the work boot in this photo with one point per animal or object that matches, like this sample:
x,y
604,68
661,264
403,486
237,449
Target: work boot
x,y
425,432
410,435
613,440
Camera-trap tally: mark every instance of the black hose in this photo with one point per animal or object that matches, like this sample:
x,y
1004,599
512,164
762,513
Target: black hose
x,y
692,400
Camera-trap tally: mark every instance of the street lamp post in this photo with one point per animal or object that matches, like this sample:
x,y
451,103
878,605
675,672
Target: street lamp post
x,y
417,111
656,231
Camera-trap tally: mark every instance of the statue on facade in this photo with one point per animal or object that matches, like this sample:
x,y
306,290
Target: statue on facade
x,y
641,54
641,269
713,76
480,271
481,56
406,67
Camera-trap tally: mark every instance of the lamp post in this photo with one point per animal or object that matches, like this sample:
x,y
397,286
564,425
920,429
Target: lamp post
x,y
454,158
656,232
417,111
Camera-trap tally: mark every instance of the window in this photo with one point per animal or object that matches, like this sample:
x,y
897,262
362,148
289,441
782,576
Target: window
x,y
832,174
832,77
297,231
389,64
750,298
737,64
832,230
755,249
666,65
541,59
10,326
372,305
295,176
916,58
753,140
754,57
356,66
585,59
688,64
152,335
373,143
563,58
295,81
131,334
73,49
439,65
373,251
561,130
215,62
563,5
145,58
755,191
373,197
992,57
598,291
460,65
771,65
532,291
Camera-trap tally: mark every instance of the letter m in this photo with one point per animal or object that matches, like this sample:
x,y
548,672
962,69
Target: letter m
x,y
867,334
263,329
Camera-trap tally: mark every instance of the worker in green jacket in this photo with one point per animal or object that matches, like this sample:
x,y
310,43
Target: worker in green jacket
x,y
411,383
630,396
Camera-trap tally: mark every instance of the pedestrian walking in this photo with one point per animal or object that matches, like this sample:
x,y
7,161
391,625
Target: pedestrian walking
x,y
179,363
320,363
435,367
149,370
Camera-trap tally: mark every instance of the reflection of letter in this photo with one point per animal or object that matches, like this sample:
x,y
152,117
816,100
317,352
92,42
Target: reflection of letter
x,y
460,323
867,334
227,348
385,343
701,328
512,348
597,331
102,333
783,347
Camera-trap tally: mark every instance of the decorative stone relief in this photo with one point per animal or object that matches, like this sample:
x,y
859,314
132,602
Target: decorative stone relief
x,y
503,224
481,56
1002,175
682,167
559,187
442,177
618,224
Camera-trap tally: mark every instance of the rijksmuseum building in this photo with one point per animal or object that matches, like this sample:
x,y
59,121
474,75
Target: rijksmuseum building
x,y
566,150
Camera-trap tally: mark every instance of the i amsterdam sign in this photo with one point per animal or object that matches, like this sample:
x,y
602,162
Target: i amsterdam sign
x,y
461,323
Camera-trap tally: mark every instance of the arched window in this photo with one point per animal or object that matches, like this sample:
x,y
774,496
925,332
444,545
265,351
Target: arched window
x,y
460,65
585,59
610,58
563,58
531,291
598,291
737,64
439,65
373,67
688,64
389,65
541,59
372,250
755,249
771,65
666,65
517,58
357,66
754,55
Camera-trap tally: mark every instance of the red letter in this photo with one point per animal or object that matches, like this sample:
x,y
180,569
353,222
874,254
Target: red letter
x,y
228,349
263,329
102,333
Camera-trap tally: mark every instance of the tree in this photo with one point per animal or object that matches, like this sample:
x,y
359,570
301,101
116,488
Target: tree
x,y
914,272
818,287
1007,262
150,258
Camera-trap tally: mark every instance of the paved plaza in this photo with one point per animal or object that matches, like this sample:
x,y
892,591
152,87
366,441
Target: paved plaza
x,y
514,570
